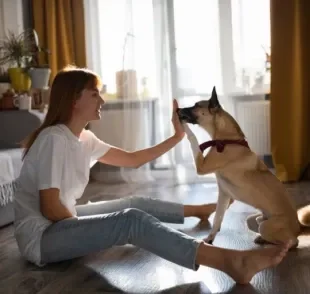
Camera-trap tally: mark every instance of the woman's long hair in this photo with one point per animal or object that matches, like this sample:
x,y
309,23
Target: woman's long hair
x,y
66,88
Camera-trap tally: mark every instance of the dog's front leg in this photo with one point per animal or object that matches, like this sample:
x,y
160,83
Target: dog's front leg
x,y
193,141
222,204
204,165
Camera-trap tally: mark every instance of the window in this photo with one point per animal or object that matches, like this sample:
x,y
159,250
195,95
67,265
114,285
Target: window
x,y
127,43
251,36
220,43
179,48
196,25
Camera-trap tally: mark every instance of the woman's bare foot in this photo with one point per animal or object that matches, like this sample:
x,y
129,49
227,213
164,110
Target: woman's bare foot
x,y
201,211
245,264
241,266
204,211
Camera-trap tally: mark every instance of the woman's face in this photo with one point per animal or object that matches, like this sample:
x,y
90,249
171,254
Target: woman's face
x,y
88,106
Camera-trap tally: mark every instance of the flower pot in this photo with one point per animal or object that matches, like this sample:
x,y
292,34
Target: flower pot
x,y
7,100
126,84
20,80
39,77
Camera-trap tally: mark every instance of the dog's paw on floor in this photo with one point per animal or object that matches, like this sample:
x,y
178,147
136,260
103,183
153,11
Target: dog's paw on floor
x,y
260,241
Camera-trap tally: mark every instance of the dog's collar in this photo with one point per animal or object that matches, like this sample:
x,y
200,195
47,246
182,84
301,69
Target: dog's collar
x,y
220,144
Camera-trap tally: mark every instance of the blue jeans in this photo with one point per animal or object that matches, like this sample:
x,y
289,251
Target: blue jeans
x,y
129,220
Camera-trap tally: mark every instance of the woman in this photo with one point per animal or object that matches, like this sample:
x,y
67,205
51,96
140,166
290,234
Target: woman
x,y
50,228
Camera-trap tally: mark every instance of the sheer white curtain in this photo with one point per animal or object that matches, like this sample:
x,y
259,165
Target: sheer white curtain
x,y
121,48
251,42
197,57
149,51
223,44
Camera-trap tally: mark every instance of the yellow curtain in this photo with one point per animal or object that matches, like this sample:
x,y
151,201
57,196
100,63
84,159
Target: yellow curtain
x,y
290,87
60,28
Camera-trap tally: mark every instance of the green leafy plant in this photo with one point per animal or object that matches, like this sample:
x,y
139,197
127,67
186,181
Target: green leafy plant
x,y
22,50
15,49
267,58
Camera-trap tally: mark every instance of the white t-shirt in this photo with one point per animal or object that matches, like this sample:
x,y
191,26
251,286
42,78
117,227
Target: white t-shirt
x,y
57,159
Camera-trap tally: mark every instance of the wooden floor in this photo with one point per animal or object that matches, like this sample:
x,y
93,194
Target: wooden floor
x,y
132,270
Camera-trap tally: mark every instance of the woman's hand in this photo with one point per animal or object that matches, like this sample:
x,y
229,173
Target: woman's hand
x,y
178,127
120,157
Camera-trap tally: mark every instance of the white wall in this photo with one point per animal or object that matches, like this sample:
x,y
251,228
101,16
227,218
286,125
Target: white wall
x,y
11,16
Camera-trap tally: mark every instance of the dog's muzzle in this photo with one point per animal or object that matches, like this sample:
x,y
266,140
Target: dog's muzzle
x,y
186,115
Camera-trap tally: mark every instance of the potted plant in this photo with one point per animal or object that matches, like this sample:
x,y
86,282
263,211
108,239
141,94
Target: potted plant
x,y
267,58
39,73
14,52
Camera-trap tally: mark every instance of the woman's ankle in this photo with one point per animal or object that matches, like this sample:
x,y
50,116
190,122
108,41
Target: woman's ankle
x,y
190,210
215,257
201,211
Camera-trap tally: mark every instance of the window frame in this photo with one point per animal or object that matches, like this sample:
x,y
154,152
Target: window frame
x,y
228,67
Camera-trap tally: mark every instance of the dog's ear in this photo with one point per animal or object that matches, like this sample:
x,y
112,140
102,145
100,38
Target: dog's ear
x,y
213,101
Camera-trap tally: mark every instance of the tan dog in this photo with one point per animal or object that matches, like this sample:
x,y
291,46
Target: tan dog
x,y
241,175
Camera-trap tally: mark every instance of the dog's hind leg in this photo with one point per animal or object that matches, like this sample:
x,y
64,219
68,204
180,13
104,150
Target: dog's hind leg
x,y
221,206
276,231
253,221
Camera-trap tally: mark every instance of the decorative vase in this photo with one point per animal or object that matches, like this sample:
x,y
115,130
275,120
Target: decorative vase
x,y
20,80
126,84
7,100
39,77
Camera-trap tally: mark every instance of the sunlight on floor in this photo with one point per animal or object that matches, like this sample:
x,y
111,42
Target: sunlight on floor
x,y
165,277
187,173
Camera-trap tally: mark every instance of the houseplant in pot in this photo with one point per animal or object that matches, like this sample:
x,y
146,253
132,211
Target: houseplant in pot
x,y
15,53
39,72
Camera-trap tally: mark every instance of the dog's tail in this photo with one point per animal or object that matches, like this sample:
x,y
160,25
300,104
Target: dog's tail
x,y
304,215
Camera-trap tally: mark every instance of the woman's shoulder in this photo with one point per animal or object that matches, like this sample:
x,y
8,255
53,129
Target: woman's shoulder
x,y
50,138
87,135
51,132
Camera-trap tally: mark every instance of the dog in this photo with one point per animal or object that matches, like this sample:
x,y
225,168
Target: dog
x,y
241,175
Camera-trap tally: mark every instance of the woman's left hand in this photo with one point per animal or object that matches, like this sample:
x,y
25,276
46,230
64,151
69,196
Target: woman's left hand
x,y
178,127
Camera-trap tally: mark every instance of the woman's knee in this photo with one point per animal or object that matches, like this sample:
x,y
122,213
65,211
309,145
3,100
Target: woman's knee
x,y
135,213
136,202
137,221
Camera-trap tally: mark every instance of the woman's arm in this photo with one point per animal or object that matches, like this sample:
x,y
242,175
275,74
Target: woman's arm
x,y
119,157
50,163
51,206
